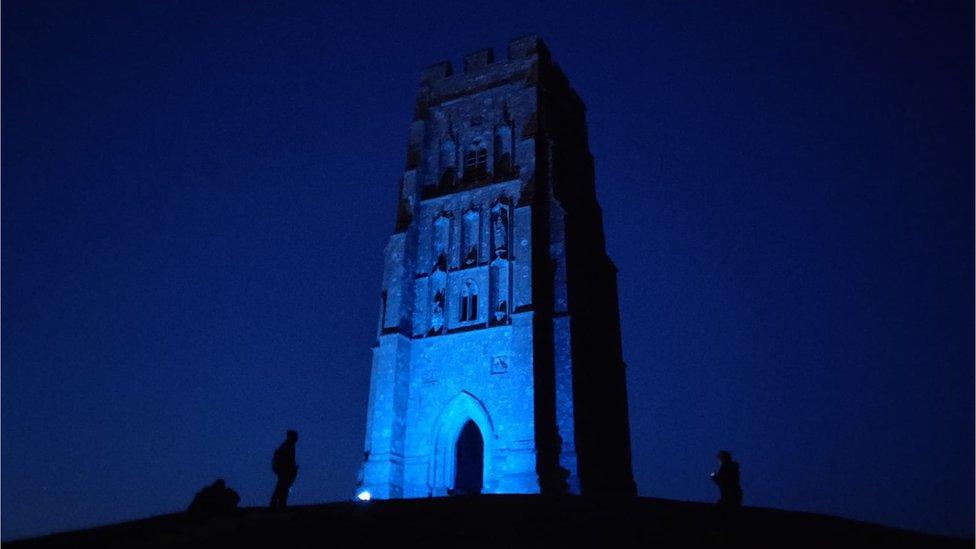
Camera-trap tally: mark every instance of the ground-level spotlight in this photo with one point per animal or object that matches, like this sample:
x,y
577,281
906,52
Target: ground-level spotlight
x,y
364,496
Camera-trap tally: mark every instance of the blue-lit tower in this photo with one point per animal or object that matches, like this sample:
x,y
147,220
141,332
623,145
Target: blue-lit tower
x,y
497,366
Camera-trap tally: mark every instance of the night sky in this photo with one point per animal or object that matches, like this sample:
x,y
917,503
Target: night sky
x,y
195,201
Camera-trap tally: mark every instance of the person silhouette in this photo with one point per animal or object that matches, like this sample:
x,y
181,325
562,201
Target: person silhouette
x,y
213,500
727,479
284,466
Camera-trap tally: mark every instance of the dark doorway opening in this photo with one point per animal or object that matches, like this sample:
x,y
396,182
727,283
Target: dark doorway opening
x,y
470,460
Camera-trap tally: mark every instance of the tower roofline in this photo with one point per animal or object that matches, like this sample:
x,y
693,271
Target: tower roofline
x,y
521,48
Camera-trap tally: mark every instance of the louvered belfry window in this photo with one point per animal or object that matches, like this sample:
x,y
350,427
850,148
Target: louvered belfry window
x,y
475,164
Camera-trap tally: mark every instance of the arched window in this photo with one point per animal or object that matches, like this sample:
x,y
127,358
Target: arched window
x,y
475,162
470,224
469,301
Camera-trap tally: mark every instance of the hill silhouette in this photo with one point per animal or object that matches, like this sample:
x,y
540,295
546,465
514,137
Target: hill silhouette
x,y
498,521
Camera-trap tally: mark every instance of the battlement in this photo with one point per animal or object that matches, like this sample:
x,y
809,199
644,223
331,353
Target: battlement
x,y
519,49
478,60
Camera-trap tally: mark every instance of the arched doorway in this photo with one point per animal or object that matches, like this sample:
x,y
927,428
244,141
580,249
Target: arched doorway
x,y
469,466
461,409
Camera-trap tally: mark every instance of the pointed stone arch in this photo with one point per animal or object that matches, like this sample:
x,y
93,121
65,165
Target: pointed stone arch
x,y
463,407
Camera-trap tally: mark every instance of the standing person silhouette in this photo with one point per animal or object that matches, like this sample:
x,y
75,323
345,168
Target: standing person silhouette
x,y
727,478
284,466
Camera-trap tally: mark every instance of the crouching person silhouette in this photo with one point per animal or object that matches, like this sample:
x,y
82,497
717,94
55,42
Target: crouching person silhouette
x,y
214,500
727,479
284,466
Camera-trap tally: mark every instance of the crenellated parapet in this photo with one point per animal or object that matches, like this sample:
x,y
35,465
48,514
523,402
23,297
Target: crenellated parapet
x,y
480,67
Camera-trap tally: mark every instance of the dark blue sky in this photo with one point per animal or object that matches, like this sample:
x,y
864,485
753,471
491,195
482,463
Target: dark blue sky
x,y
195,199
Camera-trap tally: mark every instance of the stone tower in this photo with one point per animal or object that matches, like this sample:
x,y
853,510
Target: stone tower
x,y
497,366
